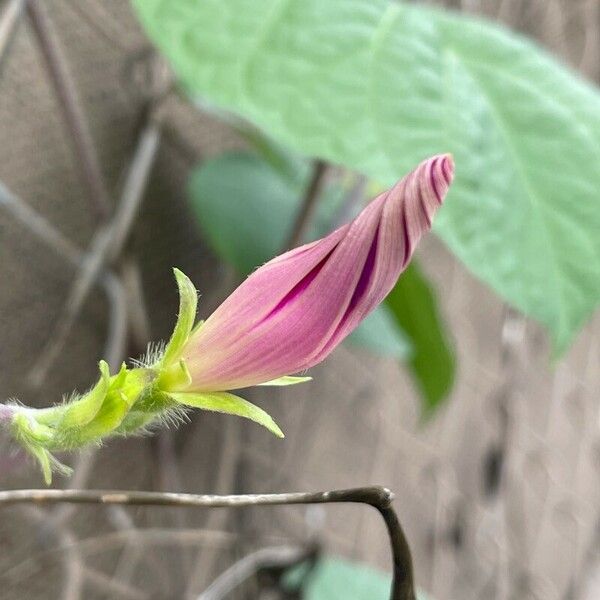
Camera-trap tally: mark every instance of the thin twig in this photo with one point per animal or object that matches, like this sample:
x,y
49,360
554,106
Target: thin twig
x,y
309,204
135,185
9,21
106,245
49,235
146,538
377,497
139,321
73,580
39,226
111,586
85,152
352,202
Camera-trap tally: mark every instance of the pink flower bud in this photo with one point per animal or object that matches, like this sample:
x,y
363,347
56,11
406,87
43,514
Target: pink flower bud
x,y
293,311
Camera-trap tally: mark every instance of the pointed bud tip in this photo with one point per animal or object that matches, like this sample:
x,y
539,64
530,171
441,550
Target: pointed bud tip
x,y
447,166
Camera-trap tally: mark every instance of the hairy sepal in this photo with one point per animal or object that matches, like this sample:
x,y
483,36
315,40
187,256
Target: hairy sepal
x,y
230,404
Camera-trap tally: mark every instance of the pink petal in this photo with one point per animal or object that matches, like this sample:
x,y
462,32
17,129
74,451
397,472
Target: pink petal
x,y
292,312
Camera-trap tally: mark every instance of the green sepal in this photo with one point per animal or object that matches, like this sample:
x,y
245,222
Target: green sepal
x,y
135,422
197,327
35,437
188,301
174,377
227,403
31,433
82,411
123,392
43,458
286,380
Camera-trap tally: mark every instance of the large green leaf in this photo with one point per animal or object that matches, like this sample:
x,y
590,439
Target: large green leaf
x,y
377,86
244,208
413,305
339,579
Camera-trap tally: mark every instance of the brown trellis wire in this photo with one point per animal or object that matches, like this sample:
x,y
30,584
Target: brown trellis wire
x,y
378,497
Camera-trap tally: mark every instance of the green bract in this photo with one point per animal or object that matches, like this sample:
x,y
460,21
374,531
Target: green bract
x,y
130,401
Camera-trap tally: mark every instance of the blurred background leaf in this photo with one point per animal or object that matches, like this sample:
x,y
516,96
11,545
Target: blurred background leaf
x,y
245,207
377,86
413,305
335,578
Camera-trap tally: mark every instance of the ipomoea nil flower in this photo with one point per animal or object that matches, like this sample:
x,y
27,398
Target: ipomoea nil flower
x,y
292,312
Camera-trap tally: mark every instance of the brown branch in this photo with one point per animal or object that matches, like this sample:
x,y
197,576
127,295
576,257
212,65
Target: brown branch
x,y
85,152
49,235
377,497
106,245
308,206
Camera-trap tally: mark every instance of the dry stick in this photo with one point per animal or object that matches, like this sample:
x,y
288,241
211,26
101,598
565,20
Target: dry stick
x,y
9,21
113,588
76,571
352,202
377,497
309,203
69,252
73,578
107,244
136,307
85,152
131,553
144,538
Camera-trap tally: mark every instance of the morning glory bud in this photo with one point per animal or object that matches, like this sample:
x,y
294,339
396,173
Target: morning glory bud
x,y
293,312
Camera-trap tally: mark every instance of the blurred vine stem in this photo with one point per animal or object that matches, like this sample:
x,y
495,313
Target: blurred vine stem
x,y
377,497
86,155
308,204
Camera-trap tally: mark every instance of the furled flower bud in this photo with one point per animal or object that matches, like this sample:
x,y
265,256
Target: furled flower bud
x,y
292,312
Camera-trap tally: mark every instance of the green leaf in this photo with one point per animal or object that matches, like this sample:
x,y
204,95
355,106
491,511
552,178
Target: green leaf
x,y
188,300
244,206
377,86
413,305
230,404
335,578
